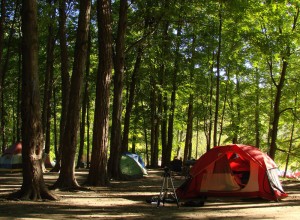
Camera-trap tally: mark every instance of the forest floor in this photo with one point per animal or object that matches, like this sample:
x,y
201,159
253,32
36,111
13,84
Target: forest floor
x,y
127,200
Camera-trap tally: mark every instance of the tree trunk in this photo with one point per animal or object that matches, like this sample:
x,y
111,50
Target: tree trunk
x,y
173,98
291,140
48,85
65,79
33,186
276,110
98,169
162,97
84,108
154,124
190,115
189,130
66,177
210,116
119,63
236,112
55,121
130,102
2,21
257,114
146,138
218,78
88,131
279,87
18,126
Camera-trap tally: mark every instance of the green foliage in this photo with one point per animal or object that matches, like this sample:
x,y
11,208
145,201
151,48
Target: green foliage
x,y
256,37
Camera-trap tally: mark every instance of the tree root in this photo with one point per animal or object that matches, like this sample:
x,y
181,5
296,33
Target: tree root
x,y
32,195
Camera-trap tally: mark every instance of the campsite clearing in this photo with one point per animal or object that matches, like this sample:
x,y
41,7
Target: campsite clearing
x,y
127,200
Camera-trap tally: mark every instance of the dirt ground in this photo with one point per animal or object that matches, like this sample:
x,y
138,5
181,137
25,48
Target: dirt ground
x,y
127,200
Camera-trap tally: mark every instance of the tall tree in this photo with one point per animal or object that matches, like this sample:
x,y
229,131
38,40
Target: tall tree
x,y
154,124
84,109
285,56
257,112
65,79
98,170
173,93
2,20
66,177
33,186
48,84
190,111
162,97
216,119
119,64
131,98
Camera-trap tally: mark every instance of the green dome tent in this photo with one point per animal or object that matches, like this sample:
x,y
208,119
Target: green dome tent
x,y
131,168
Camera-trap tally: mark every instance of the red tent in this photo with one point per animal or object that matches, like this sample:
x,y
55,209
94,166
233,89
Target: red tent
x,y
233,170
14,149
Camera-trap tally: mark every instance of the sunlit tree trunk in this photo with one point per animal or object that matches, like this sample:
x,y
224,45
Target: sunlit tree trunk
x,y
173,97
190,111
154,124
286,53
291,142
216,119
162,97
257,112
276,110
131,98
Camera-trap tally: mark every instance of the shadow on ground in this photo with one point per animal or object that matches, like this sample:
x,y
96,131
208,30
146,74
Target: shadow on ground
x,y
127,200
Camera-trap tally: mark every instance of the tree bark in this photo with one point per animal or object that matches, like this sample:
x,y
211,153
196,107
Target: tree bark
x,y
84,108
2,20
88,130
119,63
154,122
218,78
291,140
210,116
189,130
98,170
131,98
257,112
33,186
190,115
173,98
65,79
66,177
276,110
162,97
279,87
48,85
